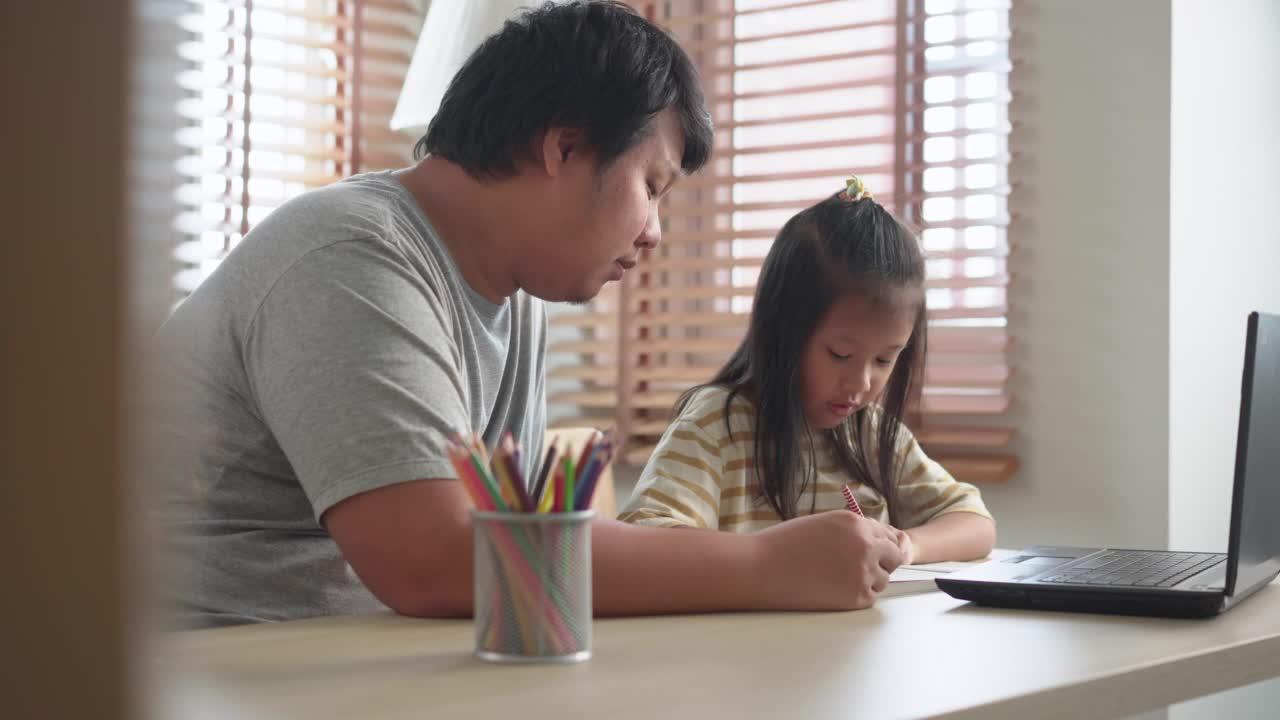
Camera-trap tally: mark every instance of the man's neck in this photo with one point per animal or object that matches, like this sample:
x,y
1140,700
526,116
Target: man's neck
x,y
462,210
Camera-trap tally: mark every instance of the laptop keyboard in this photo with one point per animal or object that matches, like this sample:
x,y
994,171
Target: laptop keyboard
x,y
1136,568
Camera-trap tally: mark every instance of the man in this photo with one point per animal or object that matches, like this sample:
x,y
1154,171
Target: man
x,y
314,377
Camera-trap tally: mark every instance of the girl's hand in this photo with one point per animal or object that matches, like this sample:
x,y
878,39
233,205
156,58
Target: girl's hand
x,y
906,546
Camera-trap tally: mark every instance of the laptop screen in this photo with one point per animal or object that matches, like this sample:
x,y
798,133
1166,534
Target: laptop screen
x,y
1255,527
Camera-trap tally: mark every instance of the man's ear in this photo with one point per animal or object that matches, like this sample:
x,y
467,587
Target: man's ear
x,y
559,146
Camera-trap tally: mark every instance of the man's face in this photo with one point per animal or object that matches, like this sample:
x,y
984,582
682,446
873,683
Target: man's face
x,y
605,219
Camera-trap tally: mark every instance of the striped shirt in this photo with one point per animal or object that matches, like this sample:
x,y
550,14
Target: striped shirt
x,y
701,475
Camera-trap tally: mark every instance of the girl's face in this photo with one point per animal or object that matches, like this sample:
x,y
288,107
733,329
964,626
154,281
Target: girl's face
x,y
851,354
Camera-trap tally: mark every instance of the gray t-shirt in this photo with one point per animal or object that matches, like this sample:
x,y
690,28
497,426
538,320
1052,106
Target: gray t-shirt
x,y
331,353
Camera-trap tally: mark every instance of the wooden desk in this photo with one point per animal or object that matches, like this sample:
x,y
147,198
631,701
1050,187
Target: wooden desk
x,y
916,656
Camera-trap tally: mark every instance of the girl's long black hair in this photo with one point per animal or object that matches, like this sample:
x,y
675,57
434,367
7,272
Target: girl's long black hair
x,y
831,249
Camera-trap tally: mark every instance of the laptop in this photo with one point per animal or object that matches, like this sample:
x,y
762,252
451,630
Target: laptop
x,y
1166,583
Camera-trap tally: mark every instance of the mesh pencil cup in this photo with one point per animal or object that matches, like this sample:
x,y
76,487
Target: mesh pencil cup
x,y
533,586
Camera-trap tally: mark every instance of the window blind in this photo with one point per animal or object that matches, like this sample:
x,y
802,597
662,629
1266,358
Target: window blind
x,y
911,95
282,96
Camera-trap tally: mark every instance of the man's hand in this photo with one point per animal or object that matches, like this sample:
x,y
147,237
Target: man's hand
x,y
905,542
829,561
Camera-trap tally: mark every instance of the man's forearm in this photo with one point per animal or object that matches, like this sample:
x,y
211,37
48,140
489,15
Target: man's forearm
x,y
411,544
635,571
644,570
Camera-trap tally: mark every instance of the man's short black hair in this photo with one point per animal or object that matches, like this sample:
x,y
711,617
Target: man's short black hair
x,y
588,64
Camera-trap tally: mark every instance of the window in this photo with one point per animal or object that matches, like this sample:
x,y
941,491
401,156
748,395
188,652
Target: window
x,y
912,95
282,96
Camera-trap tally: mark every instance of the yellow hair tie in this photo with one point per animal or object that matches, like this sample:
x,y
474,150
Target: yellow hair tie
x,y
855,189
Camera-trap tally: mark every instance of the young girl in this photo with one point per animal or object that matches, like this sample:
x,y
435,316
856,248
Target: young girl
x,y
814,395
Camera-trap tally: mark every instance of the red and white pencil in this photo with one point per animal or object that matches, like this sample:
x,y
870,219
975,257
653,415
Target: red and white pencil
x,y
851,503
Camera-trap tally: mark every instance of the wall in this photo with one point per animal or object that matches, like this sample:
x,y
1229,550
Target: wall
x,y
1224,243
1090,285
1146,158
1224,236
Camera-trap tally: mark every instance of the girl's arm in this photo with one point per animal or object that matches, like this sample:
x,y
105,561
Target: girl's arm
x,y
953,536
945,519
680,485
